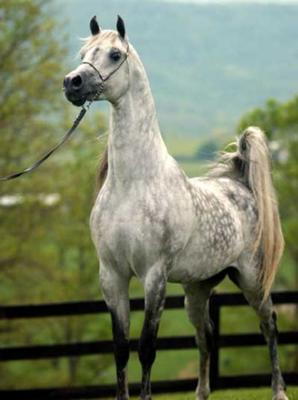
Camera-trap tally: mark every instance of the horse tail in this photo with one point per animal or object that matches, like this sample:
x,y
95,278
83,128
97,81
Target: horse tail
x,y
251,163
102,170
255,167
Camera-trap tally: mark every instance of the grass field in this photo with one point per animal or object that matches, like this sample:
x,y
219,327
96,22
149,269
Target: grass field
x,y
239,394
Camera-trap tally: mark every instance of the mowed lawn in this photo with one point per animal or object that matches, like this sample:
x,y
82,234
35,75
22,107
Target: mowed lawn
x,y
239,394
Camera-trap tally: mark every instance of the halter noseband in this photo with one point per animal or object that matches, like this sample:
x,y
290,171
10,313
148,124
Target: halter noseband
x,y
75,124
111,73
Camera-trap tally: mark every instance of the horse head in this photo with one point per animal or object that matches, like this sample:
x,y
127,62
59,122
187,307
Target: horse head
x,y
103,73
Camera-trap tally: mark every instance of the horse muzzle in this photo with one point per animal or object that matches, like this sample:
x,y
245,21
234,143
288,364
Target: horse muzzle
x,y
73,86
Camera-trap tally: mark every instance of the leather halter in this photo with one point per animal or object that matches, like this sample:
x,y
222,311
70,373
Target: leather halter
x,y
74,125
111,73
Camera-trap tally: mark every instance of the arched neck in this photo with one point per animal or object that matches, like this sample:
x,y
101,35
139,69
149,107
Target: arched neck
x,y
136,150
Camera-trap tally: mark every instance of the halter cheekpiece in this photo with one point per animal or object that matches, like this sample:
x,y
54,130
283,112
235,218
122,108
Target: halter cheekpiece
x,y
104,79
75,123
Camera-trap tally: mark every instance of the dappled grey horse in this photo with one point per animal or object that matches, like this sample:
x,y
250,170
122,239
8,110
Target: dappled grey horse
x,y
151,221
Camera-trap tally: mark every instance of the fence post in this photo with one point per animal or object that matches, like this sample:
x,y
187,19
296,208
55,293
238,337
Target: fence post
x,y
165,343
214,310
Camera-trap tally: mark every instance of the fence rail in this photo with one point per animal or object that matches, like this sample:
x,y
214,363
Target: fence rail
x,y
217,301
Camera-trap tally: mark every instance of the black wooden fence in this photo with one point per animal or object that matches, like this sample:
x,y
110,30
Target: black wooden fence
x,y
164,343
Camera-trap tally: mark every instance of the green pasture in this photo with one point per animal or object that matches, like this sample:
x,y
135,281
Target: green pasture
x,y
46,253
239,394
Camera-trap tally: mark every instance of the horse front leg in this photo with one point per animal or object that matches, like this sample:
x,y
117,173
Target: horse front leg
x,y
115,292
155,291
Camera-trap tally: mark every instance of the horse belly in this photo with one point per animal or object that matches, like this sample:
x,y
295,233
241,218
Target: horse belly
x,y
194,265
209,250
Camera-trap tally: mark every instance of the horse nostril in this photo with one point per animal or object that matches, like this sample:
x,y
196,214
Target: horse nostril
x,y
76,82
66,81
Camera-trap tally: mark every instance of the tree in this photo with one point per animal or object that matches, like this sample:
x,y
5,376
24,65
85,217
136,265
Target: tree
x,y
207,151
31,71
46,252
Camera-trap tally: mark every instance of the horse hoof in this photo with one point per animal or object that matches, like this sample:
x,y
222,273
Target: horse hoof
x,y
280,396
203,394
202,397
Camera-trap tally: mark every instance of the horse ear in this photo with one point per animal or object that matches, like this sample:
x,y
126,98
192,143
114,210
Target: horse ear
x,y
121,27
94,27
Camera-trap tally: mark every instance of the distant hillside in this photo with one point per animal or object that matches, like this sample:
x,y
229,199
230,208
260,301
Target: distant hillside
x,y
207,64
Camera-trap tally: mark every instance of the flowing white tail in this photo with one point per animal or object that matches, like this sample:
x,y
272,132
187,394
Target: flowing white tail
x,y
251,162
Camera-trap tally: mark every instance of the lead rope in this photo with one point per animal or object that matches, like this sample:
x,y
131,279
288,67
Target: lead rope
x,y
74,125
68,134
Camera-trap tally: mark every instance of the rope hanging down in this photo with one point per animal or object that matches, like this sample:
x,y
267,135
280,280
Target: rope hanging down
x,y
51,151
74,125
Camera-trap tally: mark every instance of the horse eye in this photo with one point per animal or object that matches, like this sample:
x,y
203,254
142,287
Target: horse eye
x,y
115,55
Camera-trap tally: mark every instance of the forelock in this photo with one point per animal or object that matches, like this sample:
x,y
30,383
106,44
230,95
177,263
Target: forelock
x,y
109,37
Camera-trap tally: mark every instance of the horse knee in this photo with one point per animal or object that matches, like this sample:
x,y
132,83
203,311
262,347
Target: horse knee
x,y
147,348
121,353
155,290
121,343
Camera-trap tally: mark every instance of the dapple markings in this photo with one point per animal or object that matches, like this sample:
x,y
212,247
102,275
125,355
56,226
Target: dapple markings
x,y
151,221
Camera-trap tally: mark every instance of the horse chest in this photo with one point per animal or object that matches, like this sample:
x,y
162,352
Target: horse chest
x,y
136,230
123,230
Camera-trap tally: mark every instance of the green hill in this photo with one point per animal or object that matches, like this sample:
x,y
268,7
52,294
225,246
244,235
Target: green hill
x,y
207,64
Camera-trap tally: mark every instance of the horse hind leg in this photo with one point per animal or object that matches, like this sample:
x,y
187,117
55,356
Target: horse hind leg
x,y
269,329
264,310
197,307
